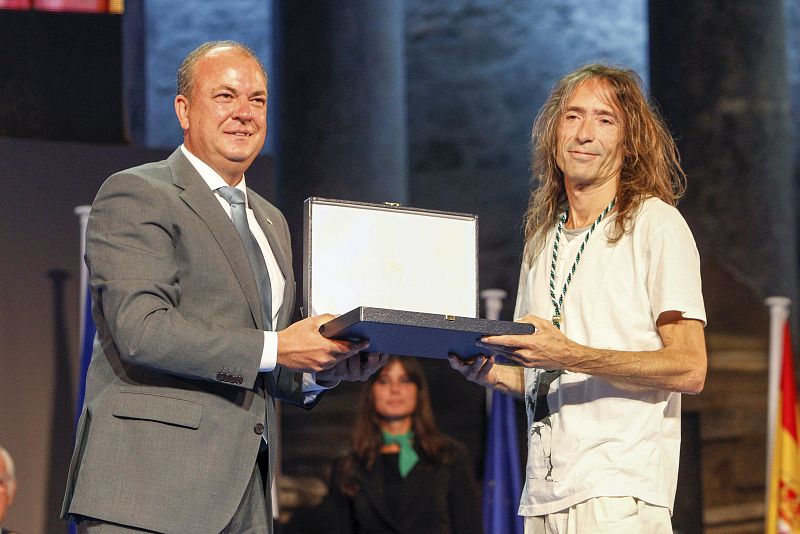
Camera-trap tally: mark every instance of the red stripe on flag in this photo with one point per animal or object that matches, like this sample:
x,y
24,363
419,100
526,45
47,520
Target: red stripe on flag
x,y
75,6
15,4
788,392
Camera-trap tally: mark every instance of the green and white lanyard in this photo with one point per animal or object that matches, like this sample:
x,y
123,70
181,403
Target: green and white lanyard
x,y
558,316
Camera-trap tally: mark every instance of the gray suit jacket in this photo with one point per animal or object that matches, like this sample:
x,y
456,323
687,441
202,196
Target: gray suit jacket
x,y
169,433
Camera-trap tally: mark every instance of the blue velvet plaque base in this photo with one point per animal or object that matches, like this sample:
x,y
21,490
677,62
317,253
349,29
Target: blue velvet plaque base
x,y
426,335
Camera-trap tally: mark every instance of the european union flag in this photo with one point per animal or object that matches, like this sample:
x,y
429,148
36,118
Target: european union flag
x,y
502,473
87,330
87,340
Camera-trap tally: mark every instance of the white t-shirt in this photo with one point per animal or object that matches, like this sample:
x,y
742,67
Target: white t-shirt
x,y
592,438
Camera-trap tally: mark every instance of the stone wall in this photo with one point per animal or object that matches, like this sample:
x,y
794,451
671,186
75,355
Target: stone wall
x,y
478,71
166,31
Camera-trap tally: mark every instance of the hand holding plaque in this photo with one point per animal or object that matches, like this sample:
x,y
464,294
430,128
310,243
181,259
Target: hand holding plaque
x,y
409,283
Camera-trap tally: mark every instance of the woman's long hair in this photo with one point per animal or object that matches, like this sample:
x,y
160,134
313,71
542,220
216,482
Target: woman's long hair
x,y
367,438
650,161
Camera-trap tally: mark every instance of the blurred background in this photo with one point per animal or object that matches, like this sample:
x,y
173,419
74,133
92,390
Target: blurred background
x,y
428,103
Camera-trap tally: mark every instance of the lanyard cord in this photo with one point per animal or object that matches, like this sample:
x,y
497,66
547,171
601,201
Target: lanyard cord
x,y
557,304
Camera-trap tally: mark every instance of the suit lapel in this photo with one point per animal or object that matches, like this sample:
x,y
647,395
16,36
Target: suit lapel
x,y
202,201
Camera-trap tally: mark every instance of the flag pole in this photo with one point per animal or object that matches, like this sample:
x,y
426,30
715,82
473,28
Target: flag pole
x,y
778,315
502,472
83,217
492,306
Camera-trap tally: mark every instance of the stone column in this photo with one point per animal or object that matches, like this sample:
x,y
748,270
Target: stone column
x,y
339,88
478,72
719,71
157,35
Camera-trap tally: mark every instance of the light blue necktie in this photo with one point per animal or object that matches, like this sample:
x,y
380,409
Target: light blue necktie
x,y
235,198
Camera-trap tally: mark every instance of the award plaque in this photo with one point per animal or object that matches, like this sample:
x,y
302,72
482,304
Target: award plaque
x,y
404,278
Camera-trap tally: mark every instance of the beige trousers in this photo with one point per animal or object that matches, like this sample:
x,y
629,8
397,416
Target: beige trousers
x,y
620,515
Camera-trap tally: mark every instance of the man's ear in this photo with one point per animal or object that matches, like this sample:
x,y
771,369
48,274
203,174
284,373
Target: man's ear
x,y
182,111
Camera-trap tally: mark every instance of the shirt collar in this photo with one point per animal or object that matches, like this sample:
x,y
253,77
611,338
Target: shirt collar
x,y
209,175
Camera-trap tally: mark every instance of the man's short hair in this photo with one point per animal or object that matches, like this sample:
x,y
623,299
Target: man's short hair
x,y
185,77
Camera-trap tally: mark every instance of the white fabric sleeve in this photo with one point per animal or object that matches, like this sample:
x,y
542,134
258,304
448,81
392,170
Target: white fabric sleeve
x,y
673,274
269,358
311,389
269,354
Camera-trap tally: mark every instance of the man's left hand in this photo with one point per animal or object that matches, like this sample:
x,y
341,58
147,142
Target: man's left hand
x,y
547,348
354,368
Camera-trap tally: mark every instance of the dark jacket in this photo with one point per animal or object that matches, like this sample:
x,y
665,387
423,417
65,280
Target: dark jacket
x,y
436,499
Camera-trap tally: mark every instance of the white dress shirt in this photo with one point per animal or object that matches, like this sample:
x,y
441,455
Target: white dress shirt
x,y
269,354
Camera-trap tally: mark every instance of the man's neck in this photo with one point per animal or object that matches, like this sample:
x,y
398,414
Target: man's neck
x,y
586,203
231,178
205,169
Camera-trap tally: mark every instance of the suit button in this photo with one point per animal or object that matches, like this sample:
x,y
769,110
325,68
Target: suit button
x,y
220,377
258,429
239,379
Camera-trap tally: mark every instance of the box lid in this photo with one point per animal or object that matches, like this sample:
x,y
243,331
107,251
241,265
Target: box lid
x,y
388,256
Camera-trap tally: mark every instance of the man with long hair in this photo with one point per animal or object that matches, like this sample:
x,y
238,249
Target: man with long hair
x,y
611,282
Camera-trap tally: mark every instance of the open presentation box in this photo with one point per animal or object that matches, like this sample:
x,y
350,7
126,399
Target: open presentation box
x,y
406,279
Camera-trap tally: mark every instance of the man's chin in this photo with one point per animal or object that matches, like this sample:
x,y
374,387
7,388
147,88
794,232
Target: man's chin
x,y
241,156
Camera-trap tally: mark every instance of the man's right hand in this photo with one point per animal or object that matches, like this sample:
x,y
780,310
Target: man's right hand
x,y
479,369
302,348
483,370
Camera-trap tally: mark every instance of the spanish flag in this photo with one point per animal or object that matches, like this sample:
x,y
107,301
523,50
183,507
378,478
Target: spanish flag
x,y
784,490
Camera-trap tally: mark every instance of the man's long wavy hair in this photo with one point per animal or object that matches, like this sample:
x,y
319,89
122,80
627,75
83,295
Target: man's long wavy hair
x,y
435,446
650,161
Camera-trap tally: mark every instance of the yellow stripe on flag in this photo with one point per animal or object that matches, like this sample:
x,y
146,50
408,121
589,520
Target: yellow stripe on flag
x,y
784,507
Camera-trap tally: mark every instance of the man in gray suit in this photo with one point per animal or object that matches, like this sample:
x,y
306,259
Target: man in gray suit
x,y
180,392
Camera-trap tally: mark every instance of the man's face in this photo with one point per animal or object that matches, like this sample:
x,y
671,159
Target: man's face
x,y
224,119
589,135
7,490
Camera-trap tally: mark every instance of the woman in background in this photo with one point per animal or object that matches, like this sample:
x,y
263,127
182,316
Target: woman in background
x,y
403,475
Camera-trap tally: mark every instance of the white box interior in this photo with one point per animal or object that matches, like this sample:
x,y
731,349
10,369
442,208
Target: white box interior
x,y
391,258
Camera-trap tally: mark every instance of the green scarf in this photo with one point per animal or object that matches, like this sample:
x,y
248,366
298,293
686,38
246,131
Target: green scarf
x,y
408,457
